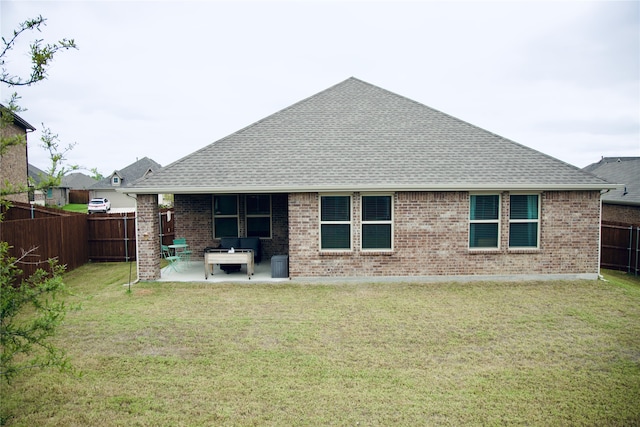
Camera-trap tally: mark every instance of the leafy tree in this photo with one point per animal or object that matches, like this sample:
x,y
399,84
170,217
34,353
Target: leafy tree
x,y
41,55
96,175
31,308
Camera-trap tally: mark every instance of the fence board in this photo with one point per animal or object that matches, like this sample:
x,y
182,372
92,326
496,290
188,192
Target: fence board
x,y
79,196
112,237
619,247
61,237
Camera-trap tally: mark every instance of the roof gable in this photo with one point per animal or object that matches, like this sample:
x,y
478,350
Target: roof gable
x,y
622,170
129,174
357,136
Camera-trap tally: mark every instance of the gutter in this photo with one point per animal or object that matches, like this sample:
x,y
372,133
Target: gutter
x,y
367,188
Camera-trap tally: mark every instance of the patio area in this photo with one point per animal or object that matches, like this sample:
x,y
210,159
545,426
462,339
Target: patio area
x,y
193,271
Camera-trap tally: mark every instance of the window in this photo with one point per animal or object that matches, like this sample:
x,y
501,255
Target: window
x,y
524,221
115,180
335,222
225,216
258,215
484,221
377,222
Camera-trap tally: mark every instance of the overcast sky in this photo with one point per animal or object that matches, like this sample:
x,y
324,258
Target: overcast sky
x,y
163,79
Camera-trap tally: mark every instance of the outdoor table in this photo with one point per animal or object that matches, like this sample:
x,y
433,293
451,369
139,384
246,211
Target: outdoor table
x,y
177,248
223,256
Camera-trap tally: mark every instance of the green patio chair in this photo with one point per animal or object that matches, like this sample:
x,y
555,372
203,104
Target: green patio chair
x,y
183,253
172,260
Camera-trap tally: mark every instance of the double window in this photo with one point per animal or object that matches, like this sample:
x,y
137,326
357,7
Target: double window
x,y
226,218
484,221
336,222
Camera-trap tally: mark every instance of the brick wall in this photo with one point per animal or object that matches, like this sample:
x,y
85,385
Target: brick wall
x,y
194,220
431,238
148,228
621,213
13,164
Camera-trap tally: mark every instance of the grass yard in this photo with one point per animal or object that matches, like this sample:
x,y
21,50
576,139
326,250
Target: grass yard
x,y
80,208
179,354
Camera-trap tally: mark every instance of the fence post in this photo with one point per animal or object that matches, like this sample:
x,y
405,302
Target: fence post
x,y
637,238
126,239
630,248
161,231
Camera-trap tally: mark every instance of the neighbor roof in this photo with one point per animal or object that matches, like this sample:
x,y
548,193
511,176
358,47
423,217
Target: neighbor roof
x,y
17,120
356,136
129,174
624,170
74,181
77,181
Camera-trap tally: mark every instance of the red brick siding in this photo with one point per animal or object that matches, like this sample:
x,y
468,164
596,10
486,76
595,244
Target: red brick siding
x,y
148,237
194,220
431,238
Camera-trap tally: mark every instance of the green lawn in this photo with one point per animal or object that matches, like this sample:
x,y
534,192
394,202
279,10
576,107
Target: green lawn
x,y
80,208
176,354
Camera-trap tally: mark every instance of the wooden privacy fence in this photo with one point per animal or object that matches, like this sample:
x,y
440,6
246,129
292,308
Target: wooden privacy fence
x,y
79,196
64,237
112,237
74,239
619,248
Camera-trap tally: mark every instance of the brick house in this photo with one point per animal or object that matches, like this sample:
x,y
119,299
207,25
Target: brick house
x,y
358,181
621,205
13,162
120,179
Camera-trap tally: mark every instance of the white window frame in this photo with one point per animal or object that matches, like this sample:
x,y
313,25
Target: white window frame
x,y
363,222
486,221
349,222
526,221
236,216
269,215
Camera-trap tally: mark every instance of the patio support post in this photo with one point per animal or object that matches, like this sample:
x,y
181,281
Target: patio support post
x,y
148,245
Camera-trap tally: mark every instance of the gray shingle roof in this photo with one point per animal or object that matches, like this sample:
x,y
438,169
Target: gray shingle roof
x,y
129,174
623,170
77,181
357,136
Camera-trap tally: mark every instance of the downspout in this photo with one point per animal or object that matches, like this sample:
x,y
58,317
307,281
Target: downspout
x,y
137,249
600,277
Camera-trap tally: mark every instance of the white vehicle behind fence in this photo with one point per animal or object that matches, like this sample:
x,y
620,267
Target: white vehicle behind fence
x,y
99,205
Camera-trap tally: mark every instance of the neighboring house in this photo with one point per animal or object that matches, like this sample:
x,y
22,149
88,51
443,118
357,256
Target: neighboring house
x,y
623,204
357,181
58,196
120,179
13,162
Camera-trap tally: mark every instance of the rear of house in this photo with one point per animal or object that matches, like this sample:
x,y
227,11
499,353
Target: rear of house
x,y
357,181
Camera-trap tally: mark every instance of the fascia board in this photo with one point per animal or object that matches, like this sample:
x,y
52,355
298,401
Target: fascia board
x,y
365,188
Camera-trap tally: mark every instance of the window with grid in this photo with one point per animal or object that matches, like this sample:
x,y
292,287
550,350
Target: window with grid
x,y
524,221
377,222
335,222
225,215
258,215
484,221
